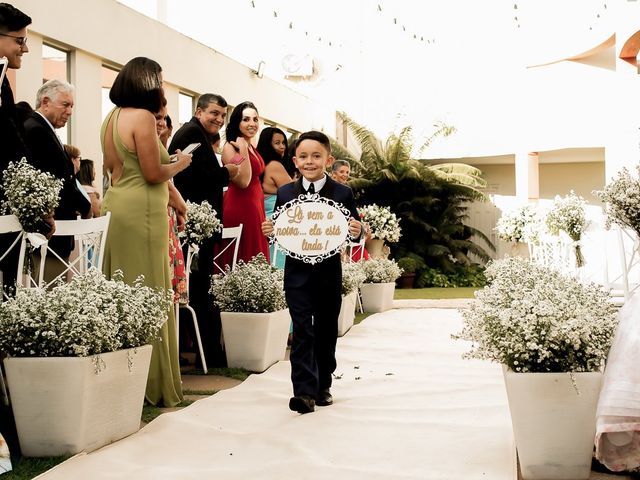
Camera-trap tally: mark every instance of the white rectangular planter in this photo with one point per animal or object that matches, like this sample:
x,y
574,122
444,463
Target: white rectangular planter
x,y
347,313
554,427
255,341
377,297
64,405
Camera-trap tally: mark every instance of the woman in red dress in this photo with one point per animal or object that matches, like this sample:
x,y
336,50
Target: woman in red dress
x,y
244,200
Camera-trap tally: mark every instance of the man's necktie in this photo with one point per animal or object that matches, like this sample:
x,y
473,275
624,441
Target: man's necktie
x,y
311,189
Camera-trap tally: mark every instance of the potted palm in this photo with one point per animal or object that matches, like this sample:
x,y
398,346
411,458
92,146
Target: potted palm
x,y
409,266
352,279
78,360
379,284
552,334
253,309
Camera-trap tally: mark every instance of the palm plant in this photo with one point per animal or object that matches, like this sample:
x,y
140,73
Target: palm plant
x,y
431,201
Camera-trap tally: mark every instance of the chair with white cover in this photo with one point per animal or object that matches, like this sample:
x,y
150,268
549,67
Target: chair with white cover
x,y
8,224
90,236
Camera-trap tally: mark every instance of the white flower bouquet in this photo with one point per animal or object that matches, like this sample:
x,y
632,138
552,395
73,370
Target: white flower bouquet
x,y
352,277
87,316
535,319
202,223
30,195
383,223
380,270
567,214
520,224
621,197
252,287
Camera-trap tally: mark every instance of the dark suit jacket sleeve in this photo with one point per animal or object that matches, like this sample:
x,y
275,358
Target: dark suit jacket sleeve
x,y
204,179
47,155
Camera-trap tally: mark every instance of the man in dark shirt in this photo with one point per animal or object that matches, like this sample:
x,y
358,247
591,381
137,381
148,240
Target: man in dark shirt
x,y
13,44
204,179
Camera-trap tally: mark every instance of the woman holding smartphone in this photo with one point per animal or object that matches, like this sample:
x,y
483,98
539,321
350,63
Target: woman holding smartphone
x,y
244,200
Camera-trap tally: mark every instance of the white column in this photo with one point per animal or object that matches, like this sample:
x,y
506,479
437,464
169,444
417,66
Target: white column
x,y
527,176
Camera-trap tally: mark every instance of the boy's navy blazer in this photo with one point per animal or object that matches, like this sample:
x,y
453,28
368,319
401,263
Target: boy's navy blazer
x,y
296,272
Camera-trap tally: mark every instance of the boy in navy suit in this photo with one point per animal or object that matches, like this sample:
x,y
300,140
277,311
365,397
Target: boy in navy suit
x,y
313,292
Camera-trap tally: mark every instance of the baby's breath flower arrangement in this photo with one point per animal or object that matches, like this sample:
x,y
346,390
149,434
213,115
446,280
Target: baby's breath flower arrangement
x,y
202,223
521,224
252,287
352,277
383,223
30,195
621,197
87,316
567,214
380,270
533,318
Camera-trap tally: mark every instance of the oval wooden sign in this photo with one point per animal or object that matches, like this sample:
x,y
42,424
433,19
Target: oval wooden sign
x,y
311,228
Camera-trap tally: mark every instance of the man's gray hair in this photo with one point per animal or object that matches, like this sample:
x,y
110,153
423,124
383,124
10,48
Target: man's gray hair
x,y
51,89
339,163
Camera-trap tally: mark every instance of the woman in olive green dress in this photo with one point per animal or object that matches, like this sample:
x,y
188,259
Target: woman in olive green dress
x,y
137,242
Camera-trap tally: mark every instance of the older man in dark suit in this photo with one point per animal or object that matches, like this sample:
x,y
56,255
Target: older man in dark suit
x,y
54,106
204,179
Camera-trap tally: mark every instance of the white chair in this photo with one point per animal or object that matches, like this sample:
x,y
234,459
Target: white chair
x,y
355,256
90,236
8,224
194,318
232,236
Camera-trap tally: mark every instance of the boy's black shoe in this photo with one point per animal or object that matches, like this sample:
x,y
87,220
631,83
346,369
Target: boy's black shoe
x,y
302,404
324,398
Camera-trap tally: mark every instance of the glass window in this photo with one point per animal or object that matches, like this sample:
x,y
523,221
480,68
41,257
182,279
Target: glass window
x,y
108,77
186,104
55,65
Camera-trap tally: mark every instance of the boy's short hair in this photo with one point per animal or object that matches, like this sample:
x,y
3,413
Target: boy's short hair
x,y
317,136
12,19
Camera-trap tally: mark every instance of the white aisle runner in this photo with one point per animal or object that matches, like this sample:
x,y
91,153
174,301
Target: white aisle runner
x,y
406,407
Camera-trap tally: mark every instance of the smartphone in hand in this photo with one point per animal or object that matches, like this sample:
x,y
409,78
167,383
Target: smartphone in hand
x,y
190,148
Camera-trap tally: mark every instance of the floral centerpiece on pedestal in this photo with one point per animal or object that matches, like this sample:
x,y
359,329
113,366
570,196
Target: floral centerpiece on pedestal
x,y
88,316
352,277
379,284
79,350
621,197
567,214
519,225
202,223
533,318
31,195
252,287
382,222
255,318
552,335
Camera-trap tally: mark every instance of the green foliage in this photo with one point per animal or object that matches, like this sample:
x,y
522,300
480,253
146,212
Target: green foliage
x,y
26,468
408,264
462,276
430,201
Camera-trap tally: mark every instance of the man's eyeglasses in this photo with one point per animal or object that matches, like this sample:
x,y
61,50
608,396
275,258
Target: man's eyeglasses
x,y
22,41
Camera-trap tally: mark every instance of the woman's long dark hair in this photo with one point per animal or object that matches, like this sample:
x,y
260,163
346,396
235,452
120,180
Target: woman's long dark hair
x,y
233,128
